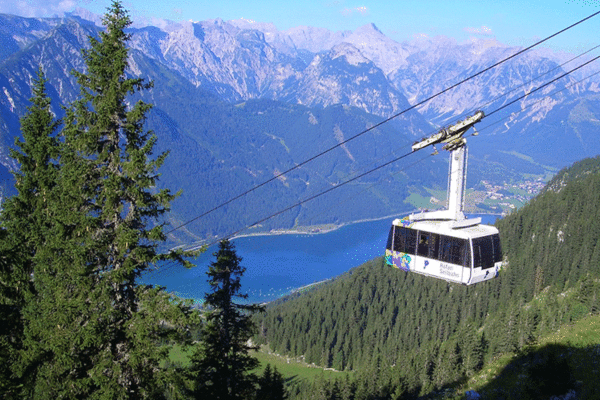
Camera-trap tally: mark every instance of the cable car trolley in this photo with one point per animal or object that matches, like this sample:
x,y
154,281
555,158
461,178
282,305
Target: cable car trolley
x,y
445,244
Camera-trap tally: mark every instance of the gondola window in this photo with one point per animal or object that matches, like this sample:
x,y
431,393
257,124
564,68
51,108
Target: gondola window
x,y
486,251
428,244
405,240
453,250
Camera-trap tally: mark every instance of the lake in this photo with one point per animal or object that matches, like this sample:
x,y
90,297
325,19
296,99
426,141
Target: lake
x,y
278,264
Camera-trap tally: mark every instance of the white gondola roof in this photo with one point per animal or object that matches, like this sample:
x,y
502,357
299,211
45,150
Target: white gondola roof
x,y
445,228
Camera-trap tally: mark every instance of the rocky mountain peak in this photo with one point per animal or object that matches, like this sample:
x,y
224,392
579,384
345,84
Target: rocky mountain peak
x,y
386,53
352,55
368,30
314,39
85,15
485,43
264,27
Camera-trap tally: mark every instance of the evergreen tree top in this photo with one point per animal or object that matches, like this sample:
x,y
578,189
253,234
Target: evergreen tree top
x,y
221,365
39,144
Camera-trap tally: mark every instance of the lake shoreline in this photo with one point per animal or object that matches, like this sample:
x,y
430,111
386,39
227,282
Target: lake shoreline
x,y
302,230
278,263
318,229
311,229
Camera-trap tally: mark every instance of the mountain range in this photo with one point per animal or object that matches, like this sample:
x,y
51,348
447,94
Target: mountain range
x,y
236,103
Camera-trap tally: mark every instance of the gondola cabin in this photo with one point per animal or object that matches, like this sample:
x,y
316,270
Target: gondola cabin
x,y
464,255
445,244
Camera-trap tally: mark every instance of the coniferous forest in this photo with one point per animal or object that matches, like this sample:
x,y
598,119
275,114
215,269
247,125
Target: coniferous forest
x,y
85,223
426,334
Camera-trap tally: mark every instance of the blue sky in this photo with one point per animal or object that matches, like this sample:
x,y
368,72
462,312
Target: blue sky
x,y
509,21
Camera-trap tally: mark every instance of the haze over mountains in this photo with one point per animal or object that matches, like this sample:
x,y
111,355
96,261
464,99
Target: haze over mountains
x,y
238,102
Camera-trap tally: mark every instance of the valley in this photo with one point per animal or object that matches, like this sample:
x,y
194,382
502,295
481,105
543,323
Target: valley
x,y
486,198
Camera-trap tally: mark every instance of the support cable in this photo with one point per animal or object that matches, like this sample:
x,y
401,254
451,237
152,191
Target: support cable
x,y
459,116
315,196
538,101
542,86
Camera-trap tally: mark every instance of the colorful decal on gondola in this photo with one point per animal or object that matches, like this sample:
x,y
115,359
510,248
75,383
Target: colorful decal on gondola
x,y
406,222
402,261
388,260
398,260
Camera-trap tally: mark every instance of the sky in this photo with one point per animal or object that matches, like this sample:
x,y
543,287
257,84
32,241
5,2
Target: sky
x,y
512,22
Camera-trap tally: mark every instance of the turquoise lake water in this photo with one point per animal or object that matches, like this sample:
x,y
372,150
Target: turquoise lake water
x,y
277,265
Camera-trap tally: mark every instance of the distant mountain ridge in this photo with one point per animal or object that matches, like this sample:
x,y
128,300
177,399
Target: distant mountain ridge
x,y
240,60
295,93
365,69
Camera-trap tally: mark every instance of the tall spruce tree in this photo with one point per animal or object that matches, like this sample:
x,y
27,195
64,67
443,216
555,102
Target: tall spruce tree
x,y
24,218
90,331
221,363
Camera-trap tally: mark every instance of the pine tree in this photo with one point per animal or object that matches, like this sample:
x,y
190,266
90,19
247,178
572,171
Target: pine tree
x,y
221,362
90,331
271,385
24,219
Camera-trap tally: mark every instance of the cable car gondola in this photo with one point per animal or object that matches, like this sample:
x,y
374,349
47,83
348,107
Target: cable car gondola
x,y
445,244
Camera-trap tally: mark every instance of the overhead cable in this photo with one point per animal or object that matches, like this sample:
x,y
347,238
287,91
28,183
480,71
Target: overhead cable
x,y
542,86
315,196
538,101
525,83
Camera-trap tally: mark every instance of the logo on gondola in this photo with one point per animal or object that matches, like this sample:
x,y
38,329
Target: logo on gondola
x,y
398,260
403,262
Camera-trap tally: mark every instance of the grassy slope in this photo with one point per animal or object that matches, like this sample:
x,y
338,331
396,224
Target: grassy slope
x,y
506,376
292,369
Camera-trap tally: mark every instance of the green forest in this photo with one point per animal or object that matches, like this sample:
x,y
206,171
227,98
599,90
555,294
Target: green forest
x,y
428,334
85,223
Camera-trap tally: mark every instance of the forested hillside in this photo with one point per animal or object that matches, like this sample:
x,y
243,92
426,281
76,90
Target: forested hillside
x,y
426,333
